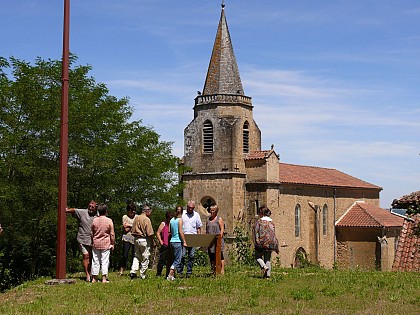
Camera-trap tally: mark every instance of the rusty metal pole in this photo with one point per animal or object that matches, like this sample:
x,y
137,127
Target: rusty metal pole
x,y
62,184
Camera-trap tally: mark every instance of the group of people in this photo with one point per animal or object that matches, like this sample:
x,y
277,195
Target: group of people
x,y
171,236
96,238
189,222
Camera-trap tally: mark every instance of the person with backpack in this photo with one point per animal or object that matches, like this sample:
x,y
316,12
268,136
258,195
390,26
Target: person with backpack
x,y
265,241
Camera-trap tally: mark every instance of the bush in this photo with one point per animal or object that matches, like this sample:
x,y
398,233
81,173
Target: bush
x,y
201,258
242,252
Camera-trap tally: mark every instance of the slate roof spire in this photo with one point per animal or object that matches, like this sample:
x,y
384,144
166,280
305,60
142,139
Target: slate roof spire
x,y
223,74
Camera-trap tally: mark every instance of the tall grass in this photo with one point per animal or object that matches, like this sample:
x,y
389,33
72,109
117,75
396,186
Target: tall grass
x,y
240,291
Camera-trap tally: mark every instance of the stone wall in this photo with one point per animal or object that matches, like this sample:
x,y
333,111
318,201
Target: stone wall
x,y
366,248
282,199
226,189
228,122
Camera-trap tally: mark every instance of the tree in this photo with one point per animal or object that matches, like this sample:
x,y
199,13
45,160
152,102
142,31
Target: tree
x,y
111,159
410,202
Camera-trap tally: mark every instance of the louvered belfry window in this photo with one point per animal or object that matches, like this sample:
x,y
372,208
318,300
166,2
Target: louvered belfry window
x,y
245,140
208,137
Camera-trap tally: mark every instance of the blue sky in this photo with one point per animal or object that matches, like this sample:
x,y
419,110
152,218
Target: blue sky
x,y
334,83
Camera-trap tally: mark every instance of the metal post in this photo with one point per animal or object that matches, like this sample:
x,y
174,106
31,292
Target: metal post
x,y
62,185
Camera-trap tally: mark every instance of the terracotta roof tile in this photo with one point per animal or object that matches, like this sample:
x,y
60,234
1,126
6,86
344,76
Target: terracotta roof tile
x,y
407,256
414,197
311,175
258,155
362,214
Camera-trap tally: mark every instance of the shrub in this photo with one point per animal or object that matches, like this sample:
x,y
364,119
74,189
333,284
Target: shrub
x,y
201,258
242,252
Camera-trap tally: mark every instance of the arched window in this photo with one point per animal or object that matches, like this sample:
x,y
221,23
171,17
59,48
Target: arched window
x,y
208,137
206,202
245,137
297,220
324,219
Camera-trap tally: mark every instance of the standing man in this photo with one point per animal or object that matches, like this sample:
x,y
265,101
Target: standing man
x,y
84,233
191,225
142,231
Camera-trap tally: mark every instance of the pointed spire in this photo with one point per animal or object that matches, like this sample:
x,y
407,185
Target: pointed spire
x,y
223,74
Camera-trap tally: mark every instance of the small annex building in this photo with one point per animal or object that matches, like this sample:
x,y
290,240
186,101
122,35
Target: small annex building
x,y
367,237
224,163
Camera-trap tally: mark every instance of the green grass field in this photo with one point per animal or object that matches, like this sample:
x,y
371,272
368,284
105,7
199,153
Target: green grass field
x,y
240,291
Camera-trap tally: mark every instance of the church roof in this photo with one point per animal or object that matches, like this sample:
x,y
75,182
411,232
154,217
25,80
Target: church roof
x,y
223,74
311,175
362,214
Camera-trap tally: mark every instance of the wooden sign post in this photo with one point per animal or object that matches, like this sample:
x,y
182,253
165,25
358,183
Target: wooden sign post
x,y
205,240
218,255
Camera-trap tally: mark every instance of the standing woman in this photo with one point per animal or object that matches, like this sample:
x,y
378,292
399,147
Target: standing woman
x,y
177,242
127,238
103,238
163,237
265,241
215,225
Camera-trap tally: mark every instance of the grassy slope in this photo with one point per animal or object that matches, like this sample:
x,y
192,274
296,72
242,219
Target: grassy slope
x,y
240,291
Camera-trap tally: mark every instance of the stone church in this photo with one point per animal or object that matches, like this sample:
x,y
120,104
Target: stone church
x,y
324,215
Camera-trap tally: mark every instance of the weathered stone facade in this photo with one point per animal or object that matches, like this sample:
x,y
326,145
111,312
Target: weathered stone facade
x,y
225,188
227,121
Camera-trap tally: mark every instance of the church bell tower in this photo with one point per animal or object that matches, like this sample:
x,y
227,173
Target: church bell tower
x,y
221,134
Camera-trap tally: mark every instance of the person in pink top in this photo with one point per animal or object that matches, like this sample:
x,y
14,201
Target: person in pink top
x,y
164,251
103,239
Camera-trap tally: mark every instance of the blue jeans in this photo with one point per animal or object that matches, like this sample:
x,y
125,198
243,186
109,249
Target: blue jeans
x,y
190,251
177,250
